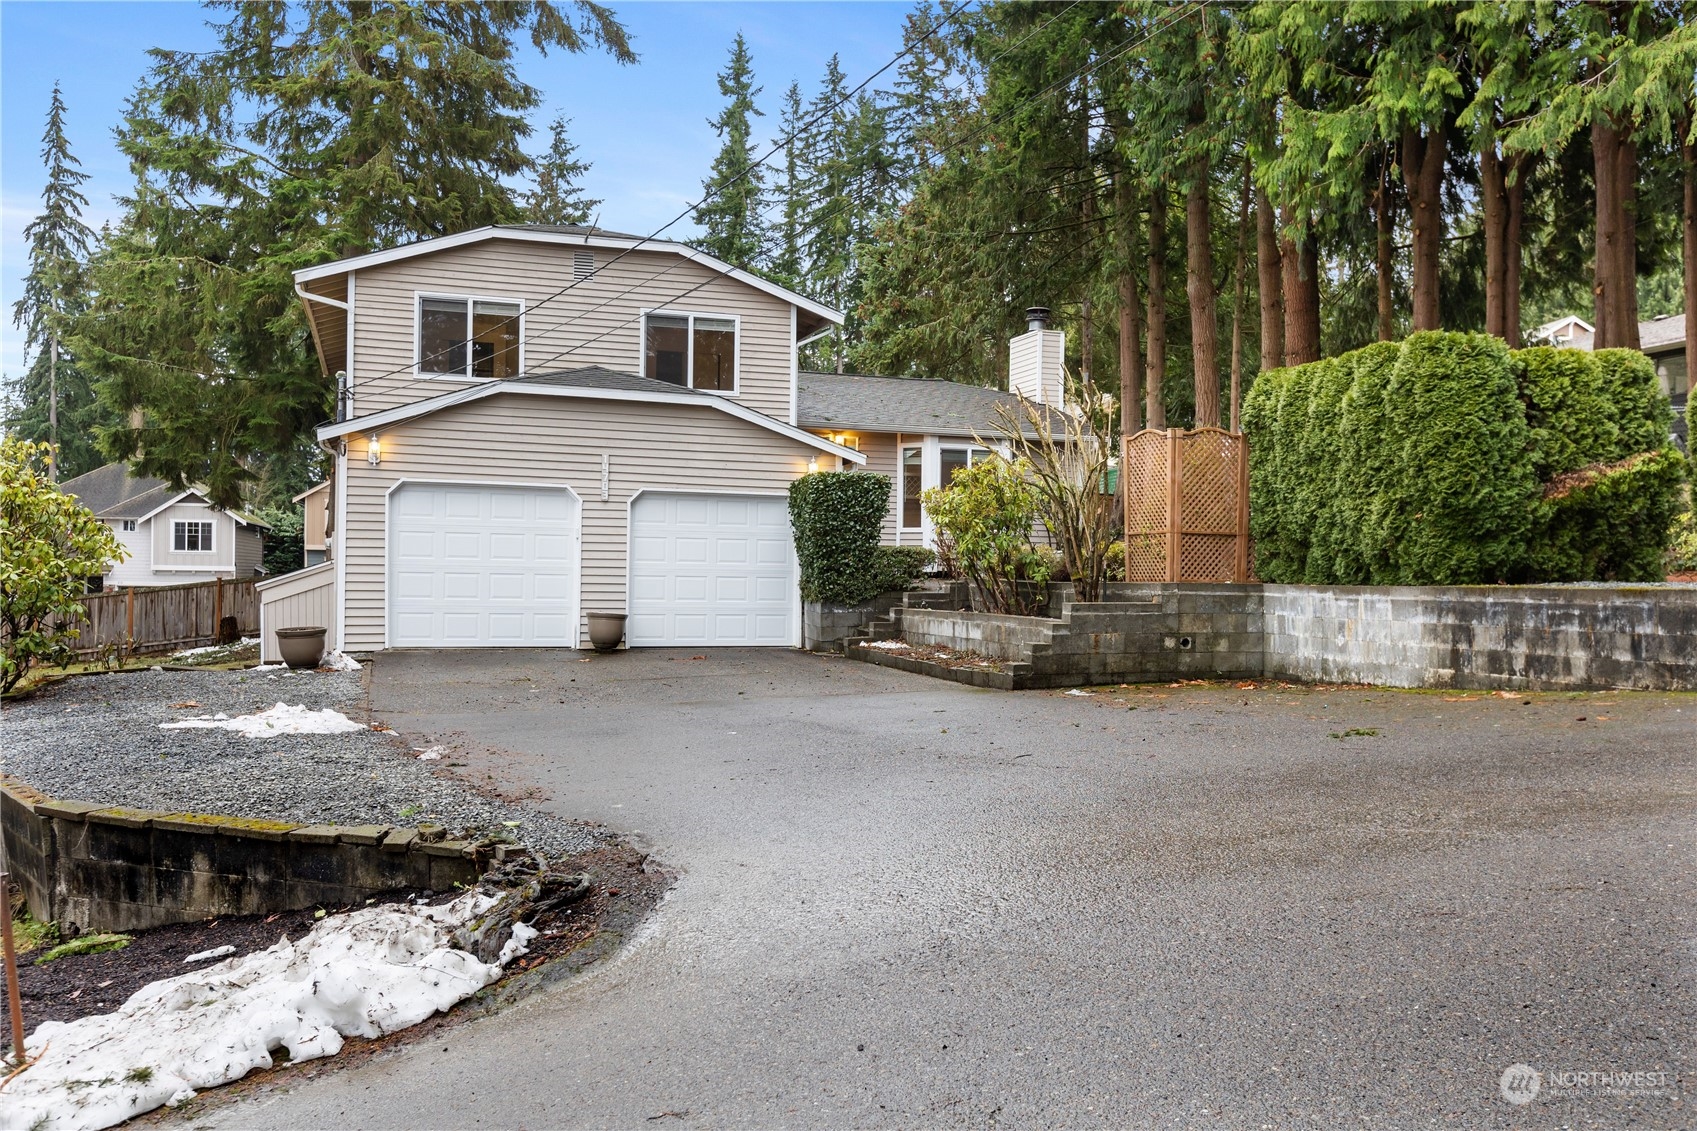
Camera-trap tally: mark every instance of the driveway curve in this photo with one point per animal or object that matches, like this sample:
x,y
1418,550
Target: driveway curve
x,y
909,903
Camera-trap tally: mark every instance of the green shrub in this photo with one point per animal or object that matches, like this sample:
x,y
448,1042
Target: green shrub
x,y
1366,463
897,567
1682,555
837,517
1113,561
1568,412
1609,522
50,547
983,527
1645,415
1447,460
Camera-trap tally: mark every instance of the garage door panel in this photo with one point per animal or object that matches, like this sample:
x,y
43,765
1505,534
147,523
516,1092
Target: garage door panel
x,y
482,566
711,570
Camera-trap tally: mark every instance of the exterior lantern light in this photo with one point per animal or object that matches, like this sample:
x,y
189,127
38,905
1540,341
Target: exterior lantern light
x,y
813,465
373,450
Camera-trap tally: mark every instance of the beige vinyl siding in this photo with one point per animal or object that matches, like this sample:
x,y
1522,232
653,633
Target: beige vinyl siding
x,y
544,441
297,600
596,322
879,448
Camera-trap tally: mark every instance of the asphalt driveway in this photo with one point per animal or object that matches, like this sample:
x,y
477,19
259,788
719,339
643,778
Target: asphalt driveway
x,y
908,903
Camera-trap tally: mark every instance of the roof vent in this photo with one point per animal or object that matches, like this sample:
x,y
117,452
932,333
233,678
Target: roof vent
x,y
583,264
1036,318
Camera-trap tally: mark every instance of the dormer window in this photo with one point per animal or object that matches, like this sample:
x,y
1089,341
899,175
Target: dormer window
x,y
696,351
469,337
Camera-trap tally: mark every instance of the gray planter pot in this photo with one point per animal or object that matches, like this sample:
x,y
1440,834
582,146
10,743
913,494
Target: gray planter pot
x,y
605,630
301,647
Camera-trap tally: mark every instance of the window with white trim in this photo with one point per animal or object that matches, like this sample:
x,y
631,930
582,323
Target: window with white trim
x,y
128,525
469,337
952,460
913,482
696,351
191,537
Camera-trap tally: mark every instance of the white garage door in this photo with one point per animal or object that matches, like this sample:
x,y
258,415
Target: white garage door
x,y
712,570
482,567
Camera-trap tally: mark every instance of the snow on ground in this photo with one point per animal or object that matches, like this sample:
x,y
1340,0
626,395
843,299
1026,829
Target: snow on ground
x,y
892,645
368,973
281,719
244,642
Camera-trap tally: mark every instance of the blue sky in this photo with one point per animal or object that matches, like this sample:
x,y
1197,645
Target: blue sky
x,y
643,127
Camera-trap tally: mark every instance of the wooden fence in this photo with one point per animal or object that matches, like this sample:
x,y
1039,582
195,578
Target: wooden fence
x,y
1186,505
171,616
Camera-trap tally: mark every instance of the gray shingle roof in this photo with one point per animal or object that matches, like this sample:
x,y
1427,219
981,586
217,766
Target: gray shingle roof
x,y
573,230
1661,334
599,377
112,492
864,403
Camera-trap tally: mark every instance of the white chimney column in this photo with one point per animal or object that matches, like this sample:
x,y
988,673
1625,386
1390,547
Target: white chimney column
x,y
1037,361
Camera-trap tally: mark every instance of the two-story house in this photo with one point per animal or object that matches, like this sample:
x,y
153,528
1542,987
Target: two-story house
x,y
538,421
172,537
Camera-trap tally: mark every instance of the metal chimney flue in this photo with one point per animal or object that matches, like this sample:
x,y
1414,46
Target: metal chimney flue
x,y
1036,318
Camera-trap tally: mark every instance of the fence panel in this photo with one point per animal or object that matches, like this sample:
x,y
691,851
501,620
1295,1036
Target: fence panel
x,y
171,616
1186,505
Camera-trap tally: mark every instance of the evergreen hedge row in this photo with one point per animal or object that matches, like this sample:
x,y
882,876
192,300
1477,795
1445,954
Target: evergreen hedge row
x,y
837,517
1446,459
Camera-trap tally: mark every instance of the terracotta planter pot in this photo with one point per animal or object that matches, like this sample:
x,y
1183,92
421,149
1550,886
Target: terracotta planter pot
x,y
301,647
606,630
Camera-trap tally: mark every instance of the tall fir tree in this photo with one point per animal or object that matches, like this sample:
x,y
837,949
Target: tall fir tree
x,y
731,211
313,131
556,196
53,401
789,265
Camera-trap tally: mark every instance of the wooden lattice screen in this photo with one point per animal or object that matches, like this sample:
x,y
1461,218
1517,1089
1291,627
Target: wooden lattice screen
x,y
1186,505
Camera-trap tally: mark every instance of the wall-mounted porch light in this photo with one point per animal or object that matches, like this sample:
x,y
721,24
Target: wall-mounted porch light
x,y
373,450
813,465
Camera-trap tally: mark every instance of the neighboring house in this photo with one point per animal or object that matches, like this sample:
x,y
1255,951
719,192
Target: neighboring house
x,y
173,537
1663,340
1571,332
315,516
539,421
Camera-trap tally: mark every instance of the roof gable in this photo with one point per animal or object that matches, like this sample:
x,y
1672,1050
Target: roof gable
x,y
567,235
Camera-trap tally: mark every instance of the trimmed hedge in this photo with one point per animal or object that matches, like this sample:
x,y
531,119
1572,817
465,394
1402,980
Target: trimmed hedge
x,y
1445,459
897,567
837,516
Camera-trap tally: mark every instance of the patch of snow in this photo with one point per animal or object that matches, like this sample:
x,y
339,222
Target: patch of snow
x,y
368,973
270,668
339,662
1076,691
216,952
244,642
892,645
523,934
281,719
433,754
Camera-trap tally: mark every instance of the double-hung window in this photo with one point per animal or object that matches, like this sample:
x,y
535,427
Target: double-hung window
x,y
957,459
191,537
696,351
469,337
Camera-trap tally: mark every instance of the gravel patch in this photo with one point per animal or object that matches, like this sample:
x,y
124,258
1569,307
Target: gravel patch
x,y
97,739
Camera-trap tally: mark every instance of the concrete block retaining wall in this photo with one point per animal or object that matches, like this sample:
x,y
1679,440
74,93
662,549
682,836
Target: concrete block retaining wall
x,y
1519,637
98,868
1522,637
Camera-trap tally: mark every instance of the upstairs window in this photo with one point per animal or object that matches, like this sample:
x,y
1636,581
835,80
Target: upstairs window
x,y
469,337
695,351
191,537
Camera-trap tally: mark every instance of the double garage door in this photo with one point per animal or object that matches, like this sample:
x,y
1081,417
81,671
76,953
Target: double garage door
x,y
473,566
